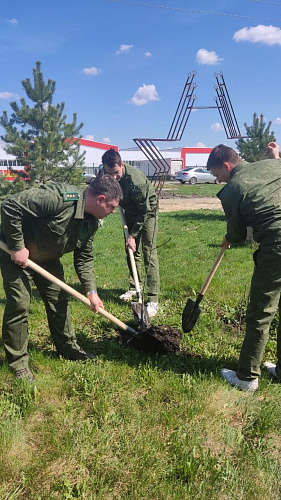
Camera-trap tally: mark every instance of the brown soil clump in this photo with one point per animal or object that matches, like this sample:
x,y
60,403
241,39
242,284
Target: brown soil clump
x,y
156,339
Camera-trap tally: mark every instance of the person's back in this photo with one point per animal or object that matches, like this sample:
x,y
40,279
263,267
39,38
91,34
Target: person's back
x,y
254,195
48,218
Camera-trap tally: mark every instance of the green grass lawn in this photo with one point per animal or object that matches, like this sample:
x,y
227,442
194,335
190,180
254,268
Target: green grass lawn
x,y
130,425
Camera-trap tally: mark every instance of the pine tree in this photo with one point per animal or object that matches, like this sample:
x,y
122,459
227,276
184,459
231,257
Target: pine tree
x,y
40,137
253,149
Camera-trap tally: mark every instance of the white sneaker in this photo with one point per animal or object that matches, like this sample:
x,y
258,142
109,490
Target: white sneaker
x,y
152,309
244,385
271,368
128,295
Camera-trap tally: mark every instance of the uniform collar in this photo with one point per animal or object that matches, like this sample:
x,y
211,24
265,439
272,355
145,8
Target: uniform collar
x,y
232,173
237,168
80,206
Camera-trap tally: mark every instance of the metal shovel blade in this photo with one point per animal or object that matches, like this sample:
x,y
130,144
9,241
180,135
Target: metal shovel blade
x,y
190,315
140,314
192,310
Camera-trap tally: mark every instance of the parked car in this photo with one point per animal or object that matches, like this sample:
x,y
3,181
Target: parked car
x,y
87,177
195,175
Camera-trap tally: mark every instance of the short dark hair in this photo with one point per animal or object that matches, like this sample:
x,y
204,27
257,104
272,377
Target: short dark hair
x,y
111,158
106,185
221,154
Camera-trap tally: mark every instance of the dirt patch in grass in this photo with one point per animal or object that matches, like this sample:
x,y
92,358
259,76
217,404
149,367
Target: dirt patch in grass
x,y
170,203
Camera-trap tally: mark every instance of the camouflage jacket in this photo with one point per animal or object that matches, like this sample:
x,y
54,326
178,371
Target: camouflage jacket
x,y
139,198
252,198
50,222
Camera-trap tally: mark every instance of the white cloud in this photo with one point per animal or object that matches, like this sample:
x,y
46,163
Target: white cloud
x,y
144,95
203,56
123,49
269,35
106,140
91,71
197,145
89,137
12,21
148,54
216,127
8,95
277,121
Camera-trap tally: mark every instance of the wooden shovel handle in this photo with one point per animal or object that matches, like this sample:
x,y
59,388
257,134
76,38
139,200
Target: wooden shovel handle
x,y
212,271
67,289
131,253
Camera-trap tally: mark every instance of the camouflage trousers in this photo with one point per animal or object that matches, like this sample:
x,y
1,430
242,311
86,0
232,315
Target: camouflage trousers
x,y
146,241
264,302
17,283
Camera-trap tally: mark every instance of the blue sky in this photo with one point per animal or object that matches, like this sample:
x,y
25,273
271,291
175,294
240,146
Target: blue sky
x,y
121,65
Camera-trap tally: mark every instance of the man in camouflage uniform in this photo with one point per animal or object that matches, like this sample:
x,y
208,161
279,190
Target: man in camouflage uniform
x,y
252,197
43,224
140,205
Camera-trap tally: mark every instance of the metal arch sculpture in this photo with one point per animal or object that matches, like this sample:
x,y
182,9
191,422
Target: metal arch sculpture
x,y
175,133
185,106
179,122
225,109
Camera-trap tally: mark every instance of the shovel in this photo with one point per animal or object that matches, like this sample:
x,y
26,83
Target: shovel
x,y
76,294
192,310
139,308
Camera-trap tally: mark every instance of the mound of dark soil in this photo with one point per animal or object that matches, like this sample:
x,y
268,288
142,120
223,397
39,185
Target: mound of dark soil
x,y
156,339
